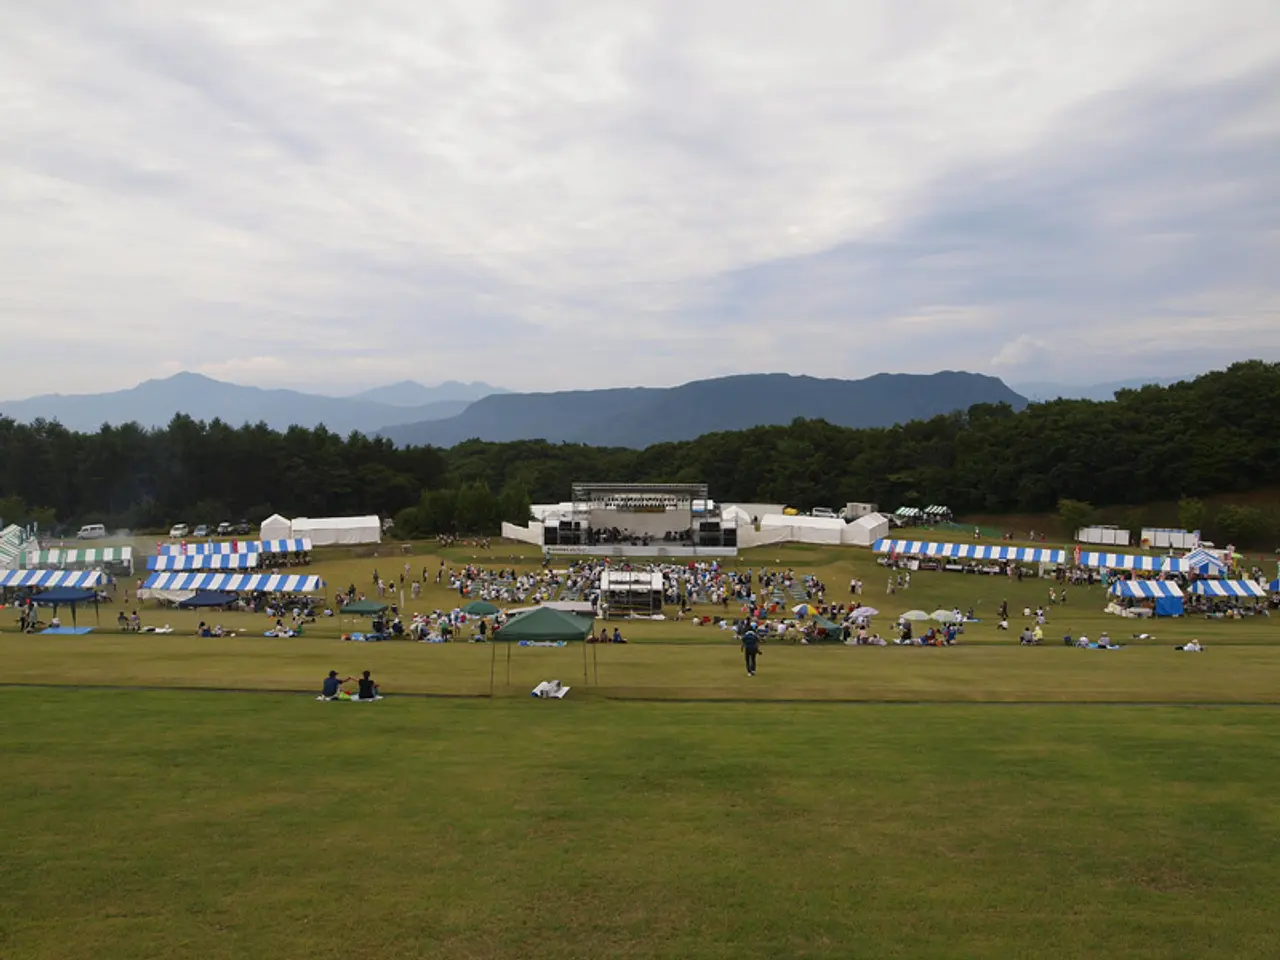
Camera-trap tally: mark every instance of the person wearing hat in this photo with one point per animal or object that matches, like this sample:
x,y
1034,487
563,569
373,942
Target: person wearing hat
x,y
332,685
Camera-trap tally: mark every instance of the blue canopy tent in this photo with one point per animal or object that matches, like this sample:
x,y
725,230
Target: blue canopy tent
x,y
1274,585
970,551
1229,588
1204,564
209,598
69,596
202,561
1166,594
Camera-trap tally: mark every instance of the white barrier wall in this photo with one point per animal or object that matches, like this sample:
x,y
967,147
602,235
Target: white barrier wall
x,y
1107,536
1161,538
530,534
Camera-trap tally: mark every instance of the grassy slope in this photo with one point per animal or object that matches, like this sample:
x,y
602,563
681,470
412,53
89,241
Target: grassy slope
x,y
208,825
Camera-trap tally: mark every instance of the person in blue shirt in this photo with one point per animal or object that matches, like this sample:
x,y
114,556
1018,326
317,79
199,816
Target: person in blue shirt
x,y
750,650
332,685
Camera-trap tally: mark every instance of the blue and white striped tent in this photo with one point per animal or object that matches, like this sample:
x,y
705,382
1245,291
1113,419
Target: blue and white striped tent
x,y
1204,564
51,578
232,547
203,561
234,582
969,551
1228,588
1130,561
1146,589
1274,585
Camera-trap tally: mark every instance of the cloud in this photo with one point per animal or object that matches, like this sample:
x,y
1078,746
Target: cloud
x,y
547,194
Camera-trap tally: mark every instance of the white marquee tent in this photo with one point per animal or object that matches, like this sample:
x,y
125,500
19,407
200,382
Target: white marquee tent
x,y
327,531
866,530
805,529
276,527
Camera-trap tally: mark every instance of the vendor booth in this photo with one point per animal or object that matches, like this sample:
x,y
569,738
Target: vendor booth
x,y
1241,589
1204,564
866,530
51,578
1166,596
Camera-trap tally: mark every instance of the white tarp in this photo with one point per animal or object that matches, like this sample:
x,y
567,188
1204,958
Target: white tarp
x,y
866,530
276,527
328,531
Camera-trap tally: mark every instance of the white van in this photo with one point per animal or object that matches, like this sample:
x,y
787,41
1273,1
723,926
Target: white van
x,y
824,512
92,531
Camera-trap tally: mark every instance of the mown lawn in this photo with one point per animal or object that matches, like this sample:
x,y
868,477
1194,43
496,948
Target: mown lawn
x,y
177,824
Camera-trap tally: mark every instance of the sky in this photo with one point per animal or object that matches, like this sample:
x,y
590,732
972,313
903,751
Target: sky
x,y
551,194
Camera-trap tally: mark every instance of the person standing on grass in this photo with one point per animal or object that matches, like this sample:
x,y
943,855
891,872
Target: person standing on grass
x,y
750,649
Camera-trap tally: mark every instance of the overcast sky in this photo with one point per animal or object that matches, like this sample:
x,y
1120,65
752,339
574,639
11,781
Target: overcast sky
x,y
561,193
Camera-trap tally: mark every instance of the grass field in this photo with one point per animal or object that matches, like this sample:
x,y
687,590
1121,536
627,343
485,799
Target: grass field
x,y
985,800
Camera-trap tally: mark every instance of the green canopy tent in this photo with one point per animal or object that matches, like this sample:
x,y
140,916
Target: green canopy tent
x,y
364,608
480,608
544,624
824,629
540,625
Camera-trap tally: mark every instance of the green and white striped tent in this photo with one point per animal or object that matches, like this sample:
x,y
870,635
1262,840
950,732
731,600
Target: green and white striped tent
x,y
80,558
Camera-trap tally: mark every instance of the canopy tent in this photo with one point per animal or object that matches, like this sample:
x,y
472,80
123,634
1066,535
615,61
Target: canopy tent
x,y
866,530
51,578
232,547
1166,594
1204,564
69,596
805,529
969,551
480,608
937,512
209,598
364,608
203,561
237,582
1274,585
1228,588
1129,561
81,558
544,624
908,513
328,531
824,629
276,527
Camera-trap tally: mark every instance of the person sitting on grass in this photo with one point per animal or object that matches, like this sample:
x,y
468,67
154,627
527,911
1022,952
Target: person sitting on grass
x,y
1191,646
332,686
122,621
368,689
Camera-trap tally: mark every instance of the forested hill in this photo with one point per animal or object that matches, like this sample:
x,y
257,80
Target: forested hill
x,y
1216,434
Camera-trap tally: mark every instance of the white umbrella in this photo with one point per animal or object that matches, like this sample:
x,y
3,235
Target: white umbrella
x,y
945,616
915,615
866,612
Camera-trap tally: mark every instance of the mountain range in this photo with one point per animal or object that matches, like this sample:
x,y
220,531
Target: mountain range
x,y
640,416
1040,392
409,413
154,403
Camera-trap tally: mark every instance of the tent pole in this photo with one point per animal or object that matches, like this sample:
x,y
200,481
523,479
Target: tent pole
x,y
508,663
493,663
595,664
584,662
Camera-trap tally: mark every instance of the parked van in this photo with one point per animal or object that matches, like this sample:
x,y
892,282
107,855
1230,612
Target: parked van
x,y
92,531
824,512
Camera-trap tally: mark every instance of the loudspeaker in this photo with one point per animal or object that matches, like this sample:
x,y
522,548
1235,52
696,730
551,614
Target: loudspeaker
x,y
551,536
731,537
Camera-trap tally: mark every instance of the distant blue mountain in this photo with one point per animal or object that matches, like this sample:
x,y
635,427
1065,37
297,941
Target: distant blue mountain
x,y
410,393
1094,391
155,402
640,416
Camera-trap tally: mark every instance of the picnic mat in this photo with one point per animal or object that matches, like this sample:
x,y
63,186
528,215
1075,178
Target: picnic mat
x,y
67,631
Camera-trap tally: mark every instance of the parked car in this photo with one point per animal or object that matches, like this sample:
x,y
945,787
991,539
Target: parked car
x,y
200,531
92,531
824,512
179,530
242,527
225,529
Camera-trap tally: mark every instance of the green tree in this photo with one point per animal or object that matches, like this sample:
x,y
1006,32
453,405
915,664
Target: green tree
x,y
477,509
1242,524
1191,513
514,503
1074,514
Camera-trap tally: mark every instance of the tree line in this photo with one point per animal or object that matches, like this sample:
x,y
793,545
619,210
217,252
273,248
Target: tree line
x,y
1213,436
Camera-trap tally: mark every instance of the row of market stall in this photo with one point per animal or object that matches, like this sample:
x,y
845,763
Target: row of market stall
x,y
1201,563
